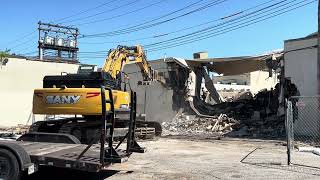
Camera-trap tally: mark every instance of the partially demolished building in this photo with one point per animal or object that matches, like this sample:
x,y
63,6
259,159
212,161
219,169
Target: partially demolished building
x,y
181,105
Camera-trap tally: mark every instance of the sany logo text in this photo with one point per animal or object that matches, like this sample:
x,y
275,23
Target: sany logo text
x,y
62,99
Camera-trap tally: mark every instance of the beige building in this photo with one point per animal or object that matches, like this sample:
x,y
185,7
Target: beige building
x,y
253,81
18,78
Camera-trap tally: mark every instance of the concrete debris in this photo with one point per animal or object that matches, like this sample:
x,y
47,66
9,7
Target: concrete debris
x,y
313,150
259,114
246,116
13,132
244,95
183,125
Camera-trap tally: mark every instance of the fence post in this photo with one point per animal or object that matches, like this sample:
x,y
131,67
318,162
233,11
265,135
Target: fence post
x,y
289,130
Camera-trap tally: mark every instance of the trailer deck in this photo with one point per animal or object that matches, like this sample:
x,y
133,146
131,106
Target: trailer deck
x,y
66,155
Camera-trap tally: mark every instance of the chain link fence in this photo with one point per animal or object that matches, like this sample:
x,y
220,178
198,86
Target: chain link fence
x,y
303,131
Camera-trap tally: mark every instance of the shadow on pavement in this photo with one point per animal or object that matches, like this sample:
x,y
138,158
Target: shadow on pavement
x,y
59,173
249,159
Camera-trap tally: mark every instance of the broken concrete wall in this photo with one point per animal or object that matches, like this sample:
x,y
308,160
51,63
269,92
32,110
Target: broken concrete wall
x,y
154,100
210,87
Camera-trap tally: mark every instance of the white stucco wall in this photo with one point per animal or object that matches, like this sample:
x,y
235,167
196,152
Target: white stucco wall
x,y
18,78
301,65
301,68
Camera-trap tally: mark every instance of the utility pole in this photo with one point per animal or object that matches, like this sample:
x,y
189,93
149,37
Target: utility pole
x,y
318,60
318,50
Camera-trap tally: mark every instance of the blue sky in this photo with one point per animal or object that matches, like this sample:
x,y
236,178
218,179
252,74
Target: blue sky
x,y
20,17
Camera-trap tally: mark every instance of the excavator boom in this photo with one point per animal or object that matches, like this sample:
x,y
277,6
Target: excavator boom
x,y
122,55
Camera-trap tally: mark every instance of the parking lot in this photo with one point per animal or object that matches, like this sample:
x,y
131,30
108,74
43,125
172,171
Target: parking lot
x,y
195,158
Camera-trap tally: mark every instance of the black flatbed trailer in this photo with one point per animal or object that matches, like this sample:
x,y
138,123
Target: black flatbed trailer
x,y
65,151
61,155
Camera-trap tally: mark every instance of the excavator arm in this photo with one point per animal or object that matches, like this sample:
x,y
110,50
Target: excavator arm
x,y
122,55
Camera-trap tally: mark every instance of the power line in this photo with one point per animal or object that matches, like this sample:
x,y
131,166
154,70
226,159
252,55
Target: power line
x,y
21,37
27,48
103,12
94,52
210,28
186,28
156,18
165,15
24,42
93,56
222,18
120,32
146,25
118,42
28,53
223,31
61,19
123,14
216,33
229,30
85,11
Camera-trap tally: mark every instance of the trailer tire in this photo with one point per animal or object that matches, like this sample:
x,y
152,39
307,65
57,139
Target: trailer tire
x,y
9,166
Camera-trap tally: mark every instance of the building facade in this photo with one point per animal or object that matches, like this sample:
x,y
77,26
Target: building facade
x,y
301,69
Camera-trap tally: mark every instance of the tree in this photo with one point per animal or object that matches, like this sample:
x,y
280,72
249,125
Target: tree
x,y
4,57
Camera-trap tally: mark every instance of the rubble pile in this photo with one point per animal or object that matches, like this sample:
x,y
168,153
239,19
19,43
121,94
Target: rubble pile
x,y
258,116
19,129
198,125
14,132
246,116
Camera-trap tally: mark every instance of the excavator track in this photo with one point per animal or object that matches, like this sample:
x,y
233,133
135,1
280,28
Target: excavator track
x,y
84,130
35,127
71,128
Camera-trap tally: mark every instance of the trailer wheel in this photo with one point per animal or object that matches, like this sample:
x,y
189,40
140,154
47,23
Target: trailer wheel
x,y
9,166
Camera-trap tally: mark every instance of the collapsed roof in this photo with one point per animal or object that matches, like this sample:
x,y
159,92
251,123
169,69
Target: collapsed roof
x,y
236,65
231,65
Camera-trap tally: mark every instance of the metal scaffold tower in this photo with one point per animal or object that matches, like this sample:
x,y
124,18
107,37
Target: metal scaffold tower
x,y
58,42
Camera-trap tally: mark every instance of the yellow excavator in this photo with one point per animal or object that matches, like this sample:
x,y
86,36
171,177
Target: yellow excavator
x,y
78,97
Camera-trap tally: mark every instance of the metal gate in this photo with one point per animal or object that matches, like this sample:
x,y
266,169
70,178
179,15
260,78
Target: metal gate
x,y
303,131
